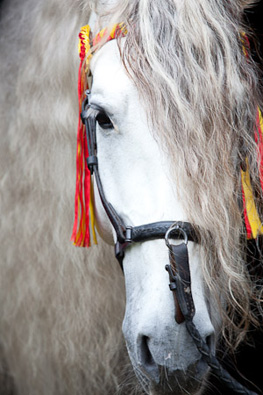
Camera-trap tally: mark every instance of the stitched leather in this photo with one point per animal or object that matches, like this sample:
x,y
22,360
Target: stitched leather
x,y
157,230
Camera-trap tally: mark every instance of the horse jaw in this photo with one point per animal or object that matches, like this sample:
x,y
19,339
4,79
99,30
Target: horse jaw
x,y
136,179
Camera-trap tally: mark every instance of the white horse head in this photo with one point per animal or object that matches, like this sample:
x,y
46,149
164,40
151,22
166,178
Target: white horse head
x,y
138,179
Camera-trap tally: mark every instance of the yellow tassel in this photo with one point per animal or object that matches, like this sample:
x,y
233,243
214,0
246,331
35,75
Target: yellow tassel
x,y
92,213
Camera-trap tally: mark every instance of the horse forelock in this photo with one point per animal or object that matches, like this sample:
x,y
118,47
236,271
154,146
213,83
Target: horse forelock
x,y
201,96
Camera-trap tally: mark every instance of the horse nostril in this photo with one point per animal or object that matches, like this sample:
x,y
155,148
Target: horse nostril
x,y
148,365
209,341
146,355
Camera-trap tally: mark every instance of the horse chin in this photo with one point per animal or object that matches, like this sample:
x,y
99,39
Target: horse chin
x,y
177,382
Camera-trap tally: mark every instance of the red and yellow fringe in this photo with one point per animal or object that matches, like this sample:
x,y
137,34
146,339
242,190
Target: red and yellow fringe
x,y
252,219
253,222
83,195
84,204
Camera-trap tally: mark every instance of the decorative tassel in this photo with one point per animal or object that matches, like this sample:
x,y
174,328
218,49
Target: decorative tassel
x,y
253,222
81,234
117,30
84,198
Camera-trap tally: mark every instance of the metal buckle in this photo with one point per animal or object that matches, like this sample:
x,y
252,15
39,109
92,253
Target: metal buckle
x,y
85,106
128,234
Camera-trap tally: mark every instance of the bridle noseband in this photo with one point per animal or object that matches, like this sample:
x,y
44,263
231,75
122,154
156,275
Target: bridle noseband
x,y
178,269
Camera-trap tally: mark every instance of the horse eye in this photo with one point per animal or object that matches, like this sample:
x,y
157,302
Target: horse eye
x,y
104,121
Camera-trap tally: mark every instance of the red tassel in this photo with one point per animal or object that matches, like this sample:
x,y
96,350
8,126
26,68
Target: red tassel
x,y
80,233
83,204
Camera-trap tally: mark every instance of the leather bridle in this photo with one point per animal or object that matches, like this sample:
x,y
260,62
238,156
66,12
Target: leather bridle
x,y
126,235
178,269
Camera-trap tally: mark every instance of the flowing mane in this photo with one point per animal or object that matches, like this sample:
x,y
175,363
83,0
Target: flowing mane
x,y
203,108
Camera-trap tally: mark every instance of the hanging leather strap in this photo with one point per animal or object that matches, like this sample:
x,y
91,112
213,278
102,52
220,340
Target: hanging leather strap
x,y
180,282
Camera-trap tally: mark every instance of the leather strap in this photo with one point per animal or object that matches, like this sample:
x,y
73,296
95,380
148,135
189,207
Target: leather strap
x,y
153,231
114,218
180,282
157,230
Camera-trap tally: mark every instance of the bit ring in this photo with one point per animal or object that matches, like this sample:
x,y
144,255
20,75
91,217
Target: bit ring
x,y
177,227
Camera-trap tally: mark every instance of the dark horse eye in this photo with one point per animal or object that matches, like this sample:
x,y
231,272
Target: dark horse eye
x,y
104,121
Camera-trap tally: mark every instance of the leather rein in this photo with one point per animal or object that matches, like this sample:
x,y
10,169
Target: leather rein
x,y
178,267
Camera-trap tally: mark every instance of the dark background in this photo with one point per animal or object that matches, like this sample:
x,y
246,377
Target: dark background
x,y
254,18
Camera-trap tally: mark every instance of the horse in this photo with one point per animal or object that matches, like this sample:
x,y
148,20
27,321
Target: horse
x,y
174,108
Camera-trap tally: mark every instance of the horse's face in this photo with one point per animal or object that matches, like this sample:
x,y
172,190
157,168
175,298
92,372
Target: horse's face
x,y
136,177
